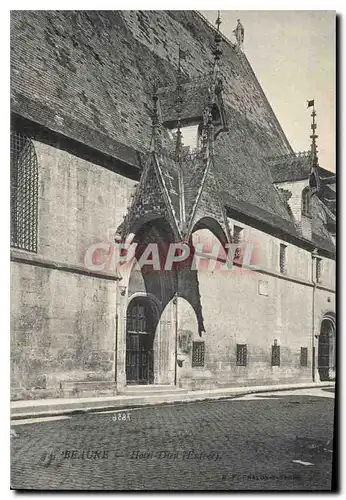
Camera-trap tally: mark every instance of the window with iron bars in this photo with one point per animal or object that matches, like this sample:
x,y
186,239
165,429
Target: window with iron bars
x,y
303,356
275,355
198,351
24,193
283,258
318,270
241,354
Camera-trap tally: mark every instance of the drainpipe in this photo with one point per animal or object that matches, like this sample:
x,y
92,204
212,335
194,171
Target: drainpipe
x,y
314,254
115,364
175,302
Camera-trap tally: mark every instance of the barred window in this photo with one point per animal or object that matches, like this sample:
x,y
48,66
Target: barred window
x,y
318,269
24,193
198,350
283,258
275,355
306,201
303,356
241,354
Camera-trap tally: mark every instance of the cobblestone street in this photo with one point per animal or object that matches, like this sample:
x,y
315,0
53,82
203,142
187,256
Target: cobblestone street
x,y
247,443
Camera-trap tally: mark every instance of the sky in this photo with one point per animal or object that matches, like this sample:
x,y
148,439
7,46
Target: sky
x,y
293,56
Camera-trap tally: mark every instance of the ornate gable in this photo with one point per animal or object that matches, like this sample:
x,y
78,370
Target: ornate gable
x,y
186,121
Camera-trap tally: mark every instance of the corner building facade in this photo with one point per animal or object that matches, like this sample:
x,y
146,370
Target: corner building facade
x,y
115,137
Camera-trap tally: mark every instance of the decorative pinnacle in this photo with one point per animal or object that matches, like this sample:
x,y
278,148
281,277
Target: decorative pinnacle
x,y
217,51
314,136
178,146
218,20
155,119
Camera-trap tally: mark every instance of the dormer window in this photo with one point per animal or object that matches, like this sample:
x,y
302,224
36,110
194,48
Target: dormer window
x,y
306,202
190,136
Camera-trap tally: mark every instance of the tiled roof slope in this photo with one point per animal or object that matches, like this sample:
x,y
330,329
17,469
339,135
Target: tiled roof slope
x,y
89,75
294,167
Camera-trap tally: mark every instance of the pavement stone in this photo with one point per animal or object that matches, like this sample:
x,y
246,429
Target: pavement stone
x,y
233,444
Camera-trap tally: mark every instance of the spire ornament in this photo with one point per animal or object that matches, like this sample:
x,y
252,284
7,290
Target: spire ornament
x,y
217,40
179,141
156,143
314,181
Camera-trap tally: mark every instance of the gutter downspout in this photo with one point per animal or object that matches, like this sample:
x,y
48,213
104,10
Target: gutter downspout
x,y
115,364
176,339
314,254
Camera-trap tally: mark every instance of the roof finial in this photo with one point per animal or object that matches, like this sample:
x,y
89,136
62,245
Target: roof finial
x,y
178,148
313,178
218,20
217,39
156,133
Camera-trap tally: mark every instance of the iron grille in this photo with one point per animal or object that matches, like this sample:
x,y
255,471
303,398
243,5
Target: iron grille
x,y
24,193
241,354
198,351
275,355
318,269
282,258
303,356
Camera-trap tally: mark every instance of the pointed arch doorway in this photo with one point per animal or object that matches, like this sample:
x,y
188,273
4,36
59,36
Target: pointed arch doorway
x,y
326,349
140,331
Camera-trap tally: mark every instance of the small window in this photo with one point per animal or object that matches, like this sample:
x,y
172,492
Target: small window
x,y
237,234
318,269
198,350
241,354
303,356
306,201
275,354
283,258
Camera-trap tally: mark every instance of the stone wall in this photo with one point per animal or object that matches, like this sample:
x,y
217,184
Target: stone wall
x,y
62,322
255,308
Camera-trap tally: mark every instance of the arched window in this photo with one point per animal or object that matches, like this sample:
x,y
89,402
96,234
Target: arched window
x,y
306,201
24,193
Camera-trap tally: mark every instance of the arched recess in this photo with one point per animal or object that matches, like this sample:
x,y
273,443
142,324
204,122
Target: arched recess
x,y
306,201
214,226
189,283
148,293
327,347
160,283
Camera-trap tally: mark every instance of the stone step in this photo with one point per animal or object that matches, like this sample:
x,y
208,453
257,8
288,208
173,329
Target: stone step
x,y
89,388
151,389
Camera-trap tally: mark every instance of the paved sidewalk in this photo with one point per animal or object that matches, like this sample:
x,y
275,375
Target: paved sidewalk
x,y
62,406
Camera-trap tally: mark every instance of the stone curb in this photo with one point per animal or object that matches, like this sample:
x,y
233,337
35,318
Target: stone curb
x,y
122,402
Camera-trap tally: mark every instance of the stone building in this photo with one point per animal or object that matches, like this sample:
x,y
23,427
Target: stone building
x,y
116,134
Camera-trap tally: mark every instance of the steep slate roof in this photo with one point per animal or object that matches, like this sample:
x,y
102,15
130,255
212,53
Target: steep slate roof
x,y
290,167
89,75
294,167
194,96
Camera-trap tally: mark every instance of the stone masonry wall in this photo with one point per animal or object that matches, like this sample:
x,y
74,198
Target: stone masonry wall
x,y
254,308
62,323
